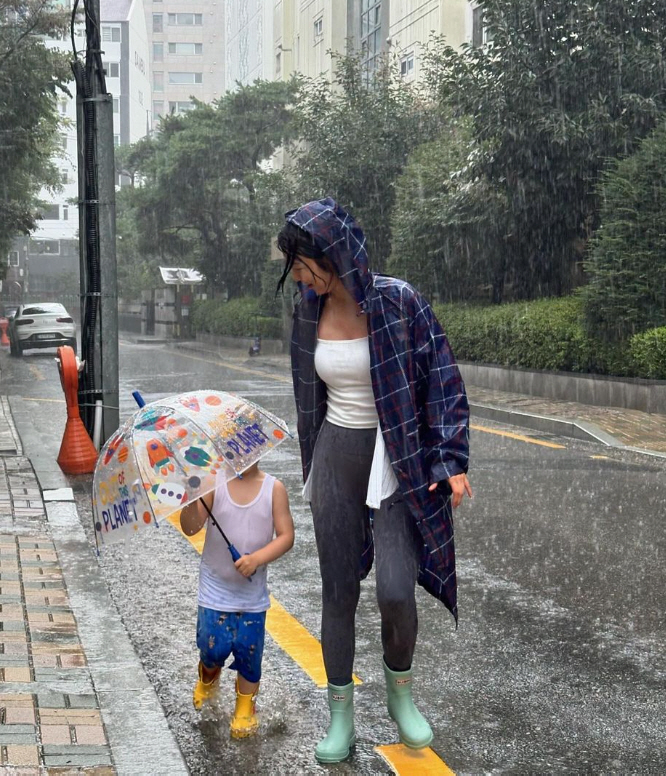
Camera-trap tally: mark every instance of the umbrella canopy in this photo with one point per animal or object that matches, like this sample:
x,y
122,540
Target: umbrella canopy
x,y
171,452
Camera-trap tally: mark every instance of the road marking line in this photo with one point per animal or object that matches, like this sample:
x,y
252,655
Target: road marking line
x,y
235,367
287,632
298,643
518,437
600,457
413,762
31,398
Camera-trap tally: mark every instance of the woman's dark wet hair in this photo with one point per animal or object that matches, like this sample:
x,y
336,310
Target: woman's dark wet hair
x,y
293,242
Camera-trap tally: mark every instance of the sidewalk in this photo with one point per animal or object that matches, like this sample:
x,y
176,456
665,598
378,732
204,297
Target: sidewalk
x,y
59,711
610,425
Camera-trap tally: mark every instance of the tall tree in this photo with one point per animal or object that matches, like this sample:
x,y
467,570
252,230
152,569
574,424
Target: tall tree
x,y
559,89
201,175
626,293
30,76
355,137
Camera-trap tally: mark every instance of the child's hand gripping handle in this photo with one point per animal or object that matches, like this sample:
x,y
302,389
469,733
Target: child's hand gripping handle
x,y
235,555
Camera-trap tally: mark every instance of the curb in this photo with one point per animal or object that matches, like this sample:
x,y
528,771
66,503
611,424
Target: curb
x,y
574,429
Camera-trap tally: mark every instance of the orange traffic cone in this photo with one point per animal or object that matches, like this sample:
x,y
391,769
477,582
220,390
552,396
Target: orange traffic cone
x,y
4,339
77,452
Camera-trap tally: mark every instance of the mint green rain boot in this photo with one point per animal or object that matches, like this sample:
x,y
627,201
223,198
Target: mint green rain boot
x,y
341,736
414,730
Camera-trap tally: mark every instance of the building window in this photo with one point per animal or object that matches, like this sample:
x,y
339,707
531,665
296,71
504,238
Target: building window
x,y
64,176
158,52
407,66
158,22
158,109
13,258
140,98
63,107
179,107
186,19
49,212
112,69
111,34
186,49
371,33
185,78
116,140
65,213
278,65
116,105
158,82
477,27
318,28
63,140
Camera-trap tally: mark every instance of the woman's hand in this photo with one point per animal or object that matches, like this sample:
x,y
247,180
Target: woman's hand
x,y
247,565
459,485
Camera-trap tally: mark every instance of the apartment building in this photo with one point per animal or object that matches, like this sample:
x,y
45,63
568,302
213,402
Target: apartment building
x,y
186,53
52,250
275,38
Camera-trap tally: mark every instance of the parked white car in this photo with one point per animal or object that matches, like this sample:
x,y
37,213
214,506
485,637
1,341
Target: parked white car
x,y
41,325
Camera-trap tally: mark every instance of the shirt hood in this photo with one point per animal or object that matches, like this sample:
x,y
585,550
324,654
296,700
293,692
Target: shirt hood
x,y
341,239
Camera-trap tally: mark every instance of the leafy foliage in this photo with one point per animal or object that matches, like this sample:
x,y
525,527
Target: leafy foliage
x,y
648,351
448,225
543,334
560,89
204,199
627,261
30,76
241,317
354,141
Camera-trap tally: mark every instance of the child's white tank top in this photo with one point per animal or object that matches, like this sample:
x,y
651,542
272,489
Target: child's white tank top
x,y
249,527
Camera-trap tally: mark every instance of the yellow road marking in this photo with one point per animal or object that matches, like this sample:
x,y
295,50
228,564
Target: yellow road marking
x,y
283,627
235,367
518,437
298,643
600,457
413,762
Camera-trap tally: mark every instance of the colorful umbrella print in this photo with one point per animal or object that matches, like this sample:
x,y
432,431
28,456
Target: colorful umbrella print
x,y
171,452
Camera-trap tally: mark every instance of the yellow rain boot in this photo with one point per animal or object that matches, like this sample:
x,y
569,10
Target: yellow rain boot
x,y
244,722
204,691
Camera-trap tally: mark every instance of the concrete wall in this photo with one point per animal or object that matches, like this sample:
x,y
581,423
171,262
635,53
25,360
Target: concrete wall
x,y
597,390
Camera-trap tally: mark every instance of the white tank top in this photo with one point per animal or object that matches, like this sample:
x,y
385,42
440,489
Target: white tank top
x,y
344,365
249,527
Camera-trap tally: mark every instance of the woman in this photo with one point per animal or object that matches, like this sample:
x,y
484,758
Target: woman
x,y
383,425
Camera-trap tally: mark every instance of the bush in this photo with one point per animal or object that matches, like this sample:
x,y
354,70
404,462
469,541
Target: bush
x,y
648,351
547,334
236,318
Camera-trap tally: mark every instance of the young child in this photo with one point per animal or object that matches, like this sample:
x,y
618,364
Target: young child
x,y
253,511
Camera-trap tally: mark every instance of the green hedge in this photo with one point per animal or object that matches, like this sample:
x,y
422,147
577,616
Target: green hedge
x,y
236,318
545,334
648,351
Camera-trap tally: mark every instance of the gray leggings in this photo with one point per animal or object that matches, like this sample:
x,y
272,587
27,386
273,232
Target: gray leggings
x,y
341,469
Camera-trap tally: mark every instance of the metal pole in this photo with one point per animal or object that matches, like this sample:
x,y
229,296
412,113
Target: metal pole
x,y
108,319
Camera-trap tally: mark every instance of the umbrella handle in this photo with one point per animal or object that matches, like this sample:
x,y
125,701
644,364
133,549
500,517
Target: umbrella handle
x,y
138,398
235,555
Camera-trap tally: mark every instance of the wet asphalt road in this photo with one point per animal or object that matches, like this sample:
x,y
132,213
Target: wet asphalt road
x,y
559,663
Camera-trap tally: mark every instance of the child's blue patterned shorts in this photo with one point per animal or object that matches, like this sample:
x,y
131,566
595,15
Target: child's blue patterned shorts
x,y
219,634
